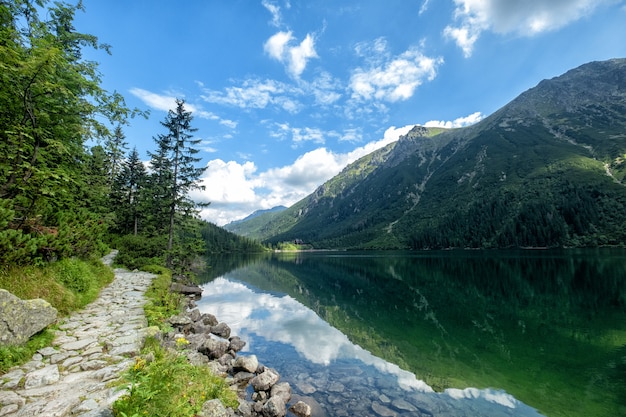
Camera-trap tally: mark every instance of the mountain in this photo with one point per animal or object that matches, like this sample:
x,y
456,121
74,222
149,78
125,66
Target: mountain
x,y
546,170
250,225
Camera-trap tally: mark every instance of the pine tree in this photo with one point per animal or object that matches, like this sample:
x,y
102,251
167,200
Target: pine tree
x,y
159,185
115,147
185,175
129,193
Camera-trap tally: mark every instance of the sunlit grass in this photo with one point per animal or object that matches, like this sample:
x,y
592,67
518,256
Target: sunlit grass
x,y
67,285
12,355
167,385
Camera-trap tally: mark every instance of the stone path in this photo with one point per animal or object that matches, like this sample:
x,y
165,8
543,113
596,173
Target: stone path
x,y
91,349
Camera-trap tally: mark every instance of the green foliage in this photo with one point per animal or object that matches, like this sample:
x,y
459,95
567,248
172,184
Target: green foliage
x,y
219,240
162,303
67,285
83,279
11,356
129,195
16,247
135,251
169,386
52,103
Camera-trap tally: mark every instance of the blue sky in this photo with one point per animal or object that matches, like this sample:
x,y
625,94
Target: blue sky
x,y
286,93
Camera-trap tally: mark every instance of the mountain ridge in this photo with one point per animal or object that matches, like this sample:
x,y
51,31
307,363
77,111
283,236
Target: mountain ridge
x,y
547,169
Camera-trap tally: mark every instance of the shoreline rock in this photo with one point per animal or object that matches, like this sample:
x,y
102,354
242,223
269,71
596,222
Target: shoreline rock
x,y
211,345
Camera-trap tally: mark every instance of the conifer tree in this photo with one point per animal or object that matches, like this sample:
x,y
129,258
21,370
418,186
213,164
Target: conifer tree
x,y
129,193
184,174
115,147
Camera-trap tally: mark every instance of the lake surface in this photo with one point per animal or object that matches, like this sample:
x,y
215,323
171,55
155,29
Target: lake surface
x,y
467,333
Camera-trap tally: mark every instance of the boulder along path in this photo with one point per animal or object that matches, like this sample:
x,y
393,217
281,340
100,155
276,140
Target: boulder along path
x,y
92,347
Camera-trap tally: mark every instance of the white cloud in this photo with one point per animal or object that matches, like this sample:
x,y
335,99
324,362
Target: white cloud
x,y
235,190
294,57
274,10
154,100
424,7
289,322
391,78
523,18
276,45
257,94
459,122
166,102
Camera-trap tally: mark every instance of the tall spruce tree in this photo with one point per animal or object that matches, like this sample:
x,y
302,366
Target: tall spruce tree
x,y
115,147
129,194
185,175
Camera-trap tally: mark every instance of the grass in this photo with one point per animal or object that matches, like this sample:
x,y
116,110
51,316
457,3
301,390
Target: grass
x,y
163,382
67,285
162,304
169,386
13,355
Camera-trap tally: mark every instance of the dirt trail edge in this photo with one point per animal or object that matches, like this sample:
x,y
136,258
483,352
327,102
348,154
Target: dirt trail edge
x,y
91,349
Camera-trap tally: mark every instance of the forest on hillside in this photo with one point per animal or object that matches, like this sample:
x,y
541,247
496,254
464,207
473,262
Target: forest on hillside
x,y
69,185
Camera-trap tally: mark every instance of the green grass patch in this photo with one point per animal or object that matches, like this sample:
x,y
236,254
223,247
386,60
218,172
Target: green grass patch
x,y
162,304
67,285
168,385
12,355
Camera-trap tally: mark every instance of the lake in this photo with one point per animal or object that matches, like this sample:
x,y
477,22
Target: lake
x,y
445,333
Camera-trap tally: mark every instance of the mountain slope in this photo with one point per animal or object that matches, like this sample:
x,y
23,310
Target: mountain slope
x,y
250,225
545,170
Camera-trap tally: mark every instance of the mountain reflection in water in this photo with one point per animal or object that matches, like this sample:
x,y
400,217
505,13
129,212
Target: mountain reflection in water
x,y
276,325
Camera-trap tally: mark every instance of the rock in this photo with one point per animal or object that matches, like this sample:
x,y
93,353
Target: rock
x,y
186,289
209,319
403,405
244,409
197,358
316,407
274,407
306,388
200,328
78,344
180,321
12,379
10,398
194,315
336,387
281,390
221,330
41,377
213,348
246,363
236,344
301,409
226,359
242,377
265,380
383,411
20,319
214,408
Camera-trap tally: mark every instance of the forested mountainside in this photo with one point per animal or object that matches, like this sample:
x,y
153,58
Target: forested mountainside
x,y
546,170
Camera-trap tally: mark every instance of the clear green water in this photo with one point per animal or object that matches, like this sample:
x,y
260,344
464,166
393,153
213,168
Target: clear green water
x,y
548,327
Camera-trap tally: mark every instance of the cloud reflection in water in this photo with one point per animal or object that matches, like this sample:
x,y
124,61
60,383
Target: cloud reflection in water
x,y
281,318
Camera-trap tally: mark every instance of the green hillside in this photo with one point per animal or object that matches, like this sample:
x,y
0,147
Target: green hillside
x,y
546,170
